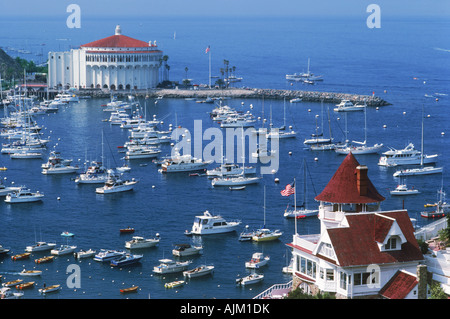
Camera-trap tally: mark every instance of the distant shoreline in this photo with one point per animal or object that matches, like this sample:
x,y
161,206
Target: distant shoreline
x,y
307,96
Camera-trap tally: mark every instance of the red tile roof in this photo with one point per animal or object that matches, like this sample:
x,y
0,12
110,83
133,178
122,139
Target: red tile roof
x,y
117,41
399,286
356,245
344,186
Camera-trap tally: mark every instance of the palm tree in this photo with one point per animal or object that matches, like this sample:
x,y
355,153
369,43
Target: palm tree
x,y
186,70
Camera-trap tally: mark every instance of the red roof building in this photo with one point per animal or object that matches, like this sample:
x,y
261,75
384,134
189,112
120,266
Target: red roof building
x,y
359,248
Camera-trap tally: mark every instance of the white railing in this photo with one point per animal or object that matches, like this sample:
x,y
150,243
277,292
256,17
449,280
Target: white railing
x,y
267,294
431,230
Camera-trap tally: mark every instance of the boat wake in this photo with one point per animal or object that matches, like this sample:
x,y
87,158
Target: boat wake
x,y
440,49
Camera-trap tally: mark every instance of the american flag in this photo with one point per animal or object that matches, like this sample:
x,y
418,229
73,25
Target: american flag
x,y
288,190
207,49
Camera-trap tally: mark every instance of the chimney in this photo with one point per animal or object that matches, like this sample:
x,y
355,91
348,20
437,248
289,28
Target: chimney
x,y
422,277
361,179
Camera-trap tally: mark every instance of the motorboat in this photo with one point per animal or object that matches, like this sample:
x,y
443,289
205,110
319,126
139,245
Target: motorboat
x,y
67,234
7,293
128,230
227,169
182,250
84,254
426,170
45,259
96,173
129,289
25,285
208,224
258,260
3,250
26,154
199,271
246,235
174,284
139,153
55,158
123,169
5,190
235,122
23,195
63,250
49,289
30,272
347,106
362,148
141,242
265,234
300,213
12,283
108,255
168,266
20,256
115,184
402,189
263,153
59,169
183,163
40,246
296,100
250,279
232,181
442,207
126,260
406,156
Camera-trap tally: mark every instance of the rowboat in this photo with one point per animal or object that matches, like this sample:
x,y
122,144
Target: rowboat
x,y
12,283
127,230
30,272
52,288
25,285
21,256
45,259
174,284
237,188
127,290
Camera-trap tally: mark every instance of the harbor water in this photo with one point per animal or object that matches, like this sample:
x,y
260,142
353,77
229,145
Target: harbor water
x,y
352,58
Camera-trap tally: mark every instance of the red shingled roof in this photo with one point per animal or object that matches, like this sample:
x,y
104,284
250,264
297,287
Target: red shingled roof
x,y
343,186
399,286
356,245
117,41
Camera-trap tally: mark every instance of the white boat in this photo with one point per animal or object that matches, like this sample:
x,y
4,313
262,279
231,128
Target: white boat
x,y
208,224
250,279
108,255
406,156
402,189
238,121
199,271
347,106
63,250
67,97
442,207
7,293
23,195
40,246
182,250
183,163
426,170
116,184
296,100
258,260
49,289
141,242
55,158
304,76
26,154
96,173
59,169
227,169
141,152
84,254
168,266
123,169
5,190
232,181
30,272
265,234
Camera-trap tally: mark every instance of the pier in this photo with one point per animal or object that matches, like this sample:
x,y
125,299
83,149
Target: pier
x,y
247,93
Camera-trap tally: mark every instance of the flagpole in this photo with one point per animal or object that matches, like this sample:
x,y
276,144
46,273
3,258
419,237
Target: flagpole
x,y
295,206
209,68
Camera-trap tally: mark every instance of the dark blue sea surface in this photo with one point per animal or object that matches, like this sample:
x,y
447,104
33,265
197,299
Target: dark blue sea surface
x,y
401,62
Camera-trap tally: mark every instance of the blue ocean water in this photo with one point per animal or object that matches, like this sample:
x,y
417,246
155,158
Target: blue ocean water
x,y
401,62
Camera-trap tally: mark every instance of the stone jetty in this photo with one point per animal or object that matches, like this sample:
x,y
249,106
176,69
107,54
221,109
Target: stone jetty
x,y
249,93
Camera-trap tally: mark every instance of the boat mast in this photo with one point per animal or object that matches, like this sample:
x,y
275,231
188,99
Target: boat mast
x,y
421,154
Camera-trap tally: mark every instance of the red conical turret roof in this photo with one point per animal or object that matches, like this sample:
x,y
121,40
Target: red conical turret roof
x,y
350,185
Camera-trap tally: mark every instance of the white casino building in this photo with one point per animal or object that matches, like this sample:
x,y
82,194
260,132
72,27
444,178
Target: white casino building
x,y
117,62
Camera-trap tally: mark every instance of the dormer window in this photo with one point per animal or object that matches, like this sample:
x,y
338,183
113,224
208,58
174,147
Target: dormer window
x,y
393,243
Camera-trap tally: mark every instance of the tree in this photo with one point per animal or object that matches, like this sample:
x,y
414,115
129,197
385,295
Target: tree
x,y
437,292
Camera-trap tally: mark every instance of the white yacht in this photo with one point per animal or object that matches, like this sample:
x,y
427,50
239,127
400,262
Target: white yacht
x,y
208,224
55,158
250,279
63,250
201,270
141,242
183,163
347,105
5,190
142,152
182,250
406,156
96,173
84,253
258,260
168,266
108,255
115,184
425,170
403,189
227,169
23,195
59,169
40,246
237,180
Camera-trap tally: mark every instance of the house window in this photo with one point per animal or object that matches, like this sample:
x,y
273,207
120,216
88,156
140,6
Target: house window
x,y
307,267
392,243
329,275
365,278
343,280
